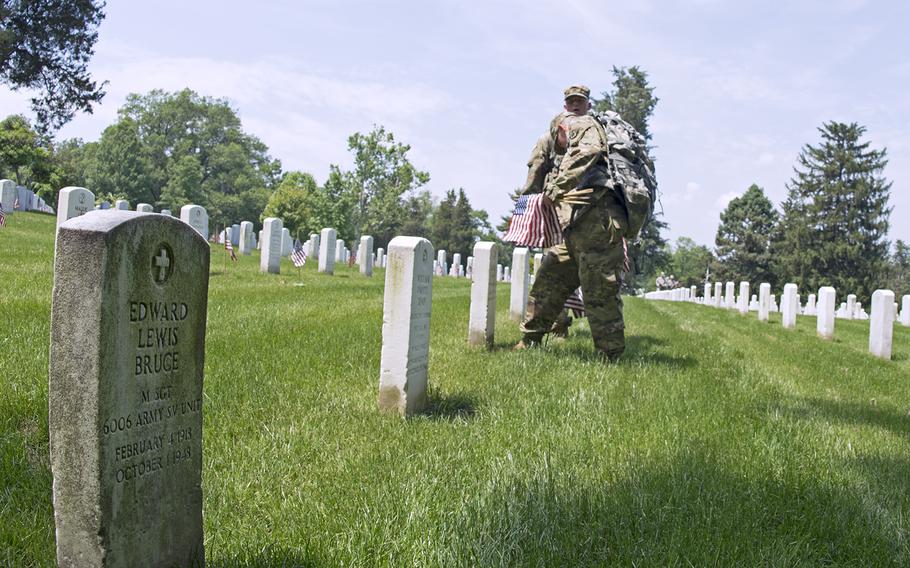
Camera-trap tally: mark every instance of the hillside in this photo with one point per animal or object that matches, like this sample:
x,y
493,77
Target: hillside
x,y
717,440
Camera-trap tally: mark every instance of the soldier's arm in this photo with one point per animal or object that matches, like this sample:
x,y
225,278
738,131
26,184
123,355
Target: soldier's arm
x,y
539,165
581,155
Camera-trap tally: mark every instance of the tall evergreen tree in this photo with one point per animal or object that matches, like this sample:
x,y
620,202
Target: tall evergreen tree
x,y
899,269
836,214
633,98
743,239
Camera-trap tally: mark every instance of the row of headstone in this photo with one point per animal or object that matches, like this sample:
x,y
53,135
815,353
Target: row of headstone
x,y
884,309
19,198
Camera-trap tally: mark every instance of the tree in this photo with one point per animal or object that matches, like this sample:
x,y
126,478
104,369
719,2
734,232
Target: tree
x,y
744,239
689,262
836,214
45,46
633,98
295,202
418,212
382,178
899,269
169,149
24,154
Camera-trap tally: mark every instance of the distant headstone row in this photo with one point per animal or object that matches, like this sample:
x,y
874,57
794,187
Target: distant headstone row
x,y
823,306
18,198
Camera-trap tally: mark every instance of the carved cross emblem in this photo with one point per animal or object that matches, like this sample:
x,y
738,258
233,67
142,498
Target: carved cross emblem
x,y
162,262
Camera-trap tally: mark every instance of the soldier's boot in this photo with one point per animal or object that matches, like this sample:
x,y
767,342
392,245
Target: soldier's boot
x,y
560,329
610,340
527,342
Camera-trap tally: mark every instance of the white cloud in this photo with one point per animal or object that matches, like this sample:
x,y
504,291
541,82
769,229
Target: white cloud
x,y
725,199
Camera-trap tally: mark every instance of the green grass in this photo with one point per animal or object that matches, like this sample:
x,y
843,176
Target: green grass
x,y
717,440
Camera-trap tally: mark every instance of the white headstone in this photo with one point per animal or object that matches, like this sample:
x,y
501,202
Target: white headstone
x,y
314,246
850,307
270,259
122,204
286,242
729,296
905,310
707,300
718,294
365,255
8,195
167,212
483,294
339,250
693,293
789,306
327,251
196,217
521,283
743,304
145,208
380,257
246,237
260,240
498,272
538,259
406,326
881,324
764,301
72,202
824,326
810,305
125,390
456,261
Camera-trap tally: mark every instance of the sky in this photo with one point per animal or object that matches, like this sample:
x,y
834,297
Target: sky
x,y
743,85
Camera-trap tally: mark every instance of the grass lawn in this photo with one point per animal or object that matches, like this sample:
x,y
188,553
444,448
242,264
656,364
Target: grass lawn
x,y
717,440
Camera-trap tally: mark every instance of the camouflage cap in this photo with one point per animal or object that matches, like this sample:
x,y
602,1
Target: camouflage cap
x,y
577,91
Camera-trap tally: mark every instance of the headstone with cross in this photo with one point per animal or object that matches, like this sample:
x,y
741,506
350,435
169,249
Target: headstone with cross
x,y
72,202
196,217
125,390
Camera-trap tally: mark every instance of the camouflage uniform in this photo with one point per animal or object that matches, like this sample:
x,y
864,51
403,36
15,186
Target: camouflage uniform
x,y
592,253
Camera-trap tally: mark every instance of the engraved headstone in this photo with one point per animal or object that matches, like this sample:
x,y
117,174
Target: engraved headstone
x,y
72,202
483,294
196,217
122,204
145,208
246,237
270,259
521,283
824,325
881,324
764,301
406,326
365,255
326,243
125,390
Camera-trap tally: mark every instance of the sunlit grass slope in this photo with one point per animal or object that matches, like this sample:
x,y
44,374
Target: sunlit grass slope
x,y
716,441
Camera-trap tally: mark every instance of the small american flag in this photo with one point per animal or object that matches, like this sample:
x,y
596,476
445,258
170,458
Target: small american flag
x,y
534,223
2,217
230,248
576,303
298,257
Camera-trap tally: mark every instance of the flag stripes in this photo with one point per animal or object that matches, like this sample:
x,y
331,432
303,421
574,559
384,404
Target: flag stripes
x,y
534,223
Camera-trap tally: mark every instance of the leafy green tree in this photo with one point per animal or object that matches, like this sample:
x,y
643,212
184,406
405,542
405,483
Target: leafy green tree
x,y
633,98
45,45
383,177
899,269
744,239
172,148
24,155
418,212
689,262
836,215
294,203
71,158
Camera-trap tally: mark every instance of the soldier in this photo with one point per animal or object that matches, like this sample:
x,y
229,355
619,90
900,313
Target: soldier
x,y
594,222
